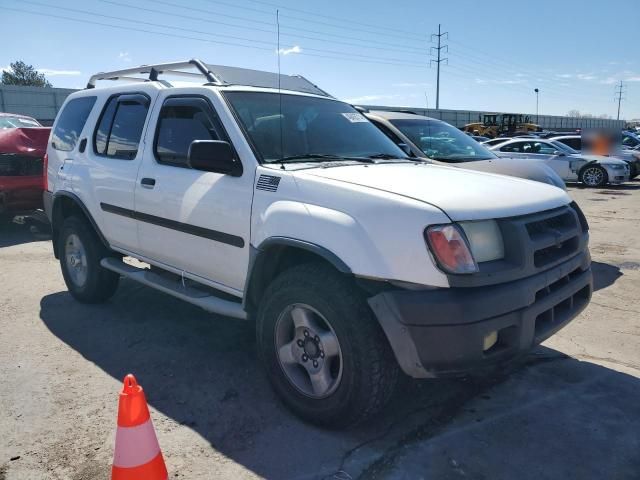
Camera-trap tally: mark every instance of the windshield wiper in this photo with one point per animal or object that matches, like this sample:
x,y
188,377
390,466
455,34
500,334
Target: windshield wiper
x,y
318,157
386,156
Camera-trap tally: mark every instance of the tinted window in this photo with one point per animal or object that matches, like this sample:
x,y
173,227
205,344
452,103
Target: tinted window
x,y
71,122
120,128
297,125
183,120
105,125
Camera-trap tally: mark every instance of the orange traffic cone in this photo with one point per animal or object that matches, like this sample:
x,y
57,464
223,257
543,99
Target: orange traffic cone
x,y
137,454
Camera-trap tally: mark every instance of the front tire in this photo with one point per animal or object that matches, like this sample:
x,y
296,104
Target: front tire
x,y
325,354
594,176
80,254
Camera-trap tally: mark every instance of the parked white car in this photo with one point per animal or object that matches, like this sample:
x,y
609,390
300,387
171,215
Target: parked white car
x,y
440,143
289,208
591,170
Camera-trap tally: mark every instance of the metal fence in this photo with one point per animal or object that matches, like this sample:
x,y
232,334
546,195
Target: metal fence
x,y
44,103
37,102
460,118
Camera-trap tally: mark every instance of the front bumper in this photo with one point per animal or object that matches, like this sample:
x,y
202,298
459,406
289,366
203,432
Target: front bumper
x,y
617,177
442,332
47,200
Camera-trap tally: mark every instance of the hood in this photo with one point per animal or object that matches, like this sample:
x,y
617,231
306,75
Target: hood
x,y
599,159
461,194
521,168
30,142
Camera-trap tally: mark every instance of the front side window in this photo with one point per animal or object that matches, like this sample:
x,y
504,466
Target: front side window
x,y
287,126
183,120
120,127
441,141
517,147
70,123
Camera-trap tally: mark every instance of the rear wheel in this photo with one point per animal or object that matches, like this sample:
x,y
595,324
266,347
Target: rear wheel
x,y
324,352
594,176
80,254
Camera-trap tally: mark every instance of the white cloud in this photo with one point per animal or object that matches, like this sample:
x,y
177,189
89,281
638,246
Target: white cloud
x,y
411,84
50,72
124,57
564,75
586,76
287,51
633,79
521,75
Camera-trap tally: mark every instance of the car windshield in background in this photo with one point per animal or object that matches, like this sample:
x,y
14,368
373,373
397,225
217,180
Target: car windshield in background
x,y
18,122
311,127
441,141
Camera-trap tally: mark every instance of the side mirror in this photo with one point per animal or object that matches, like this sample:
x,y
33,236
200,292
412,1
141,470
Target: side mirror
x,y
213,156
405,148
559,153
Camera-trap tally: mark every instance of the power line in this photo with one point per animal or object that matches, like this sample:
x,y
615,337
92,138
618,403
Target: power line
x,y
439,61
345,57
257,29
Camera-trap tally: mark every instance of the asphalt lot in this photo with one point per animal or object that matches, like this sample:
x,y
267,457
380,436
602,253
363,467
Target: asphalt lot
x,y
571,411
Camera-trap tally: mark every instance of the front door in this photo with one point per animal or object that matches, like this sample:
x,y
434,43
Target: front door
x,y
193,221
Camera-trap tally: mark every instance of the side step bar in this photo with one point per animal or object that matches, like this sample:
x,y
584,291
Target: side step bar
x,y
210,303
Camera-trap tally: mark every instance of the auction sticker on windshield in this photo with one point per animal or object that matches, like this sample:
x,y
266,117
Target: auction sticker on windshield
x,y
354,117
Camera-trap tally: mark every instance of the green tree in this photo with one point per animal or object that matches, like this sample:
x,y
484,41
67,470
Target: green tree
x,y
22,74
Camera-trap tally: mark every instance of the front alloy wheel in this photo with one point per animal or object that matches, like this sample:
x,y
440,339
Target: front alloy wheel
x,y
308,351
594,176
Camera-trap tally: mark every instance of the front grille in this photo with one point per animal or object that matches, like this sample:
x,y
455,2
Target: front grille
x,y
554,238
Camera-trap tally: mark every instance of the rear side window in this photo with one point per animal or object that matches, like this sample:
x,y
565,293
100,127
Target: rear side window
x,y
183,120
120,126
71,122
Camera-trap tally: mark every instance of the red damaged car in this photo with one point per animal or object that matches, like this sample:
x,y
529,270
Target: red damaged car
x,y
23,144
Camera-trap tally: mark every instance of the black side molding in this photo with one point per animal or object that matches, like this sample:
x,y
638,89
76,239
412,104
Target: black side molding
x,y
195,230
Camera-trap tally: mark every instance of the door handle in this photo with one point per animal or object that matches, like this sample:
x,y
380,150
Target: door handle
x,y
148,182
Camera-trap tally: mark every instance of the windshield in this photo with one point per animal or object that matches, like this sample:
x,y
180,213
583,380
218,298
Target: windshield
x,y
18,122
310,127
441,141
563,147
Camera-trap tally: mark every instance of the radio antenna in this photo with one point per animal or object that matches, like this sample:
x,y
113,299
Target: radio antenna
x,y
279,90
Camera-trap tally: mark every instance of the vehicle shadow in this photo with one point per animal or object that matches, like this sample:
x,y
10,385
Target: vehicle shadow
x,y
201,371
15,234
604,275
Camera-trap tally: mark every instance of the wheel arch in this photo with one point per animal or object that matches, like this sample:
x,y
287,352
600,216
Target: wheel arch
x,y
276,254
64,205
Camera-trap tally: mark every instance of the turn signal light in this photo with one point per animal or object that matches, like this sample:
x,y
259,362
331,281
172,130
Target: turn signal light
x,y
450,248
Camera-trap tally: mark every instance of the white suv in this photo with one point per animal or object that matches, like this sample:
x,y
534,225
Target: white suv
x,y
289,208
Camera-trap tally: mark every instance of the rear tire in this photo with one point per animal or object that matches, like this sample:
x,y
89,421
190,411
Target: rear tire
x,y
594,176
325,328
80,254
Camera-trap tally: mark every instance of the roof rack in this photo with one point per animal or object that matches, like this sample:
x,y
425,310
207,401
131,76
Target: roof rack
x,y
212,74
154,71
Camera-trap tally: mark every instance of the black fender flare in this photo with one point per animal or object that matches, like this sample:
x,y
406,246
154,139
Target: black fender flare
x,y
57,219
259,259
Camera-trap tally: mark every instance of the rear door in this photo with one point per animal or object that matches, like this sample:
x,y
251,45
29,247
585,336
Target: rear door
x,y
193,221
113,159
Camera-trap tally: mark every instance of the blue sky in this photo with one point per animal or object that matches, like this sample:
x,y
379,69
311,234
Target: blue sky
x,y
365,51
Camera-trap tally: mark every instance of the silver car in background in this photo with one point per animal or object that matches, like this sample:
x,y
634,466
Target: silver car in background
x,y
571,165
438,142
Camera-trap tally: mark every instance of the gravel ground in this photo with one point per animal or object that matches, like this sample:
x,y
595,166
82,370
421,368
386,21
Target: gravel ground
x,y
571,411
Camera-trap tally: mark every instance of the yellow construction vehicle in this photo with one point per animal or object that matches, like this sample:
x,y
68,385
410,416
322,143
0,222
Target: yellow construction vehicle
x,y
496,124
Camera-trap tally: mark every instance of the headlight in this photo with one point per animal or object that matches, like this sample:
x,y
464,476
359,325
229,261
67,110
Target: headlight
x,y
450,249
485,240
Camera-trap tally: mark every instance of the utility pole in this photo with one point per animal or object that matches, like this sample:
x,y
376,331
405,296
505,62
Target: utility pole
x,y
439,60
619,93
537,90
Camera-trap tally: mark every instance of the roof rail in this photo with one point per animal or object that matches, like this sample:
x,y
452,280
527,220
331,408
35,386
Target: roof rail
x,y
154,71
